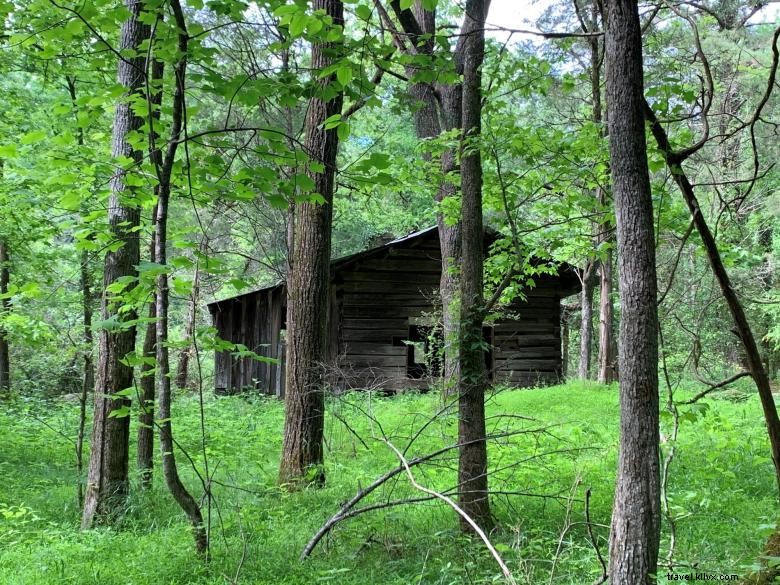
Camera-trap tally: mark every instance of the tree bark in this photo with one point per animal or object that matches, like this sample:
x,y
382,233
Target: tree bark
x,y
5,306
607,360
308,284
180,494
145,436
635,528
472,380
88,381
107,482
586,320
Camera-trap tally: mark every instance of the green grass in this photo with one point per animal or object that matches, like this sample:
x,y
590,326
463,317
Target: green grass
x,y
721,487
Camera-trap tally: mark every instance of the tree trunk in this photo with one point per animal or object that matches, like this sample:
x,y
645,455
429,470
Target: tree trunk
x,y
472,380
107,482
179,492
5,306
635,529
88,382
607,371
183,367
308,284
431,116
586,322
170,471
564,342
145,437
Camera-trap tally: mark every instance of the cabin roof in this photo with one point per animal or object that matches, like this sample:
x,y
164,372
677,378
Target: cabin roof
x,y
345,261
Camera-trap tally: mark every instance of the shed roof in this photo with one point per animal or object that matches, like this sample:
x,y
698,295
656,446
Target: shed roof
x,y
343,261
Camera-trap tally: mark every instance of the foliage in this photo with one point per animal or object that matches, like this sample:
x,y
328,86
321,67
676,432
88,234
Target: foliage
x,y
721,488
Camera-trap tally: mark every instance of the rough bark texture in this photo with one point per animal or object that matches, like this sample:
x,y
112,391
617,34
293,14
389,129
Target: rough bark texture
x,y
472,379
107,481
5,306
308,287
635,529
586,320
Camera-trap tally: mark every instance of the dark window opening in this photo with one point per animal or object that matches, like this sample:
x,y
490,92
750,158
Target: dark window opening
x,y
424,352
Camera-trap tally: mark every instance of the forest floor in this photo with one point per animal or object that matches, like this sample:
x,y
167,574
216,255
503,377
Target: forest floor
x,y
720,490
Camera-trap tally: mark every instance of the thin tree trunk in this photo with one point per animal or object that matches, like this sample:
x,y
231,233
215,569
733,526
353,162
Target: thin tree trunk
x,y
87,301
146,382
472,380
586,320
437,108
88,382
170,471
308,284
565,342
607,370
752,354
5,307
635,528
183,367
107,483
606,367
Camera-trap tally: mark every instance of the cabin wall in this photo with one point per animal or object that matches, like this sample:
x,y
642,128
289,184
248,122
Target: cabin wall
x,y
377,297
527,348
374,300
253,320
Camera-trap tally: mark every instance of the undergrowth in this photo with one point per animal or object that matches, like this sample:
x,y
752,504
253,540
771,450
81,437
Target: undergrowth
x,y
721,494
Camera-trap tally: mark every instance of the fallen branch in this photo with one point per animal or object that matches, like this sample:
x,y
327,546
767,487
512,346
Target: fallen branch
x,y
450,502
714,387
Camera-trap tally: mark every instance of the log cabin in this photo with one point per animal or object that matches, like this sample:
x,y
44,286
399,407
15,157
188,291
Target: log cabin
x,y
382,323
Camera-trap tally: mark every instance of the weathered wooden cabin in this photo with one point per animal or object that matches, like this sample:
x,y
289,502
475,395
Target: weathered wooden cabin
x,y
381,336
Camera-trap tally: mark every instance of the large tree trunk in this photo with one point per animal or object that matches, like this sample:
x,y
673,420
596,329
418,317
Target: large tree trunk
x,y
107,482
308,284
472,380
5,306
635,529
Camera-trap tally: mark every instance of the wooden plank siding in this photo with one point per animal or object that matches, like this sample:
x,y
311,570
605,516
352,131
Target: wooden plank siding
x,y
375,296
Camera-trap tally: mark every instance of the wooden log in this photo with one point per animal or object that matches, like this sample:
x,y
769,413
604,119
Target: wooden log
x,y
350,336
368,348
394,324
400,265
